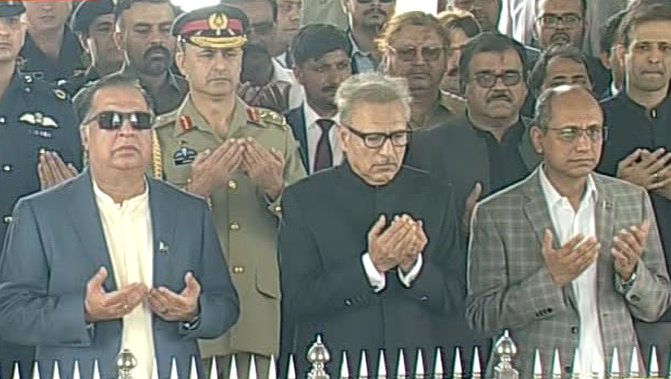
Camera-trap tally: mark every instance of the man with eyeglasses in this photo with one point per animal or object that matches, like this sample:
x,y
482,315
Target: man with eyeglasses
x,y
560,65
125,261
566,258
261,34
240,158
366,19
564,22
37,134
370,253
492,136
639,147
414,46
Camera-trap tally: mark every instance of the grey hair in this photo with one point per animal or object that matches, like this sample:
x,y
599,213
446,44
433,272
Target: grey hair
x,y
543,111
372,88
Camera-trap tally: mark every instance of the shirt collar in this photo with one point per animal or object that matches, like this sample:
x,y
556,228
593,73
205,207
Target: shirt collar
x,y
554,198
355,48
106,201
311,116
280,73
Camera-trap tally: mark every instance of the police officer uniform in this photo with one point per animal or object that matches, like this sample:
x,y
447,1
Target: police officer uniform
x,y
246,221
82,17
448,108
34,117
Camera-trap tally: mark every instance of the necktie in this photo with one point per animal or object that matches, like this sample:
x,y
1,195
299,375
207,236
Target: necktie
x,y
324,154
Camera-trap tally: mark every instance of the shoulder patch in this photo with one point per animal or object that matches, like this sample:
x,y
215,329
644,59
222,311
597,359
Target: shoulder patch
x,y
60,94
267,118
166,119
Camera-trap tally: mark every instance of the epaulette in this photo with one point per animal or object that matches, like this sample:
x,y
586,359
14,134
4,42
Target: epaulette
x,y
267,118
166,119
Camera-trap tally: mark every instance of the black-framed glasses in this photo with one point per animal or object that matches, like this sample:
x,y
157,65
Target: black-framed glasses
x,y
398,138
408,54
569,20
572,133
370,1
489,79
113,120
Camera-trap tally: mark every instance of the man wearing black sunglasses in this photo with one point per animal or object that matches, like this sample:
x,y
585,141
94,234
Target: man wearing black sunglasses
x,y
366,19
370,251
37,134
240,158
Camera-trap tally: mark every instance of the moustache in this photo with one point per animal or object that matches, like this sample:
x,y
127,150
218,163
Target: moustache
x,y
157,49
498,96
375,11
560,37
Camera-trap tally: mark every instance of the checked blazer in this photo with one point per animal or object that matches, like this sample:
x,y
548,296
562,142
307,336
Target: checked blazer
x,y
509,286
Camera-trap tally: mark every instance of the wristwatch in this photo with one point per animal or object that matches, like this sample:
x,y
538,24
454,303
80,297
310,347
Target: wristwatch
x,y
626,286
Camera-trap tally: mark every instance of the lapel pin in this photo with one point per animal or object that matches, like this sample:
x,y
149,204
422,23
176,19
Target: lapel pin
x,y
162,247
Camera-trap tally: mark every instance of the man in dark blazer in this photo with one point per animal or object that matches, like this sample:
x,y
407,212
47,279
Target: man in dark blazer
x,y
370,254
321,63
113,259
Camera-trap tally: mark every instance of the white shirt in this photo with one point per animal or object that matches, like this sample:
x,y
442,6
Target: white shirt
x,y
568,223
280,73
314,133
128,233
282,60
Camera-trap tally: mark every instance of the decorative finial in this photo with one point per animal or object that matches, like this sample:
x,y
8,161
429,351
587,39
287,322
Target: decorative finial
x,y
615,372
318,356
438,370
419,366
476,372
363,366
125,364
556,365
381,366
344,367
457,370
505,350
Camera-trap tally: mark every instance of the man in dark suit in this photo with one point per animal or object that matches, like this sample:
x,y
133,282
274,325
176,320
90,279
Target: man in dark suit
x,y
369,250
321,63
123,261
492,138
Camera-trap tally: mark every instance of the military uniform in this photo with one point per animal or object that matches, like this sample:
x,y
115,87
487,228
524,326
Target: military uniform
x,y
79,81
69,62
449,107
246,221
169,96
34,117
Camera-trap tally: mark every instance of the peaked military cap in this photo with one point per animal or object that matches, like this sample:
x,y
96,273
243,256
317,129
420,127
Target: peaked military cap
x,y
216,27
11,8
87,11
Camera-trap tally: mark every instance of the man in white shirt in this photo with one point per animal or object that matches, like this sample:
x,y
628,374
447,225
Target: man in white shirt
x,y
567,257
124,262
322,63
365,21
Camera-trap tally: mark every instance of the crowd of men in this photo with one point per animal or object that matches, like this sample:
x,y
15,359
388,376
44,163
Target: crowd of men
x,y
228,182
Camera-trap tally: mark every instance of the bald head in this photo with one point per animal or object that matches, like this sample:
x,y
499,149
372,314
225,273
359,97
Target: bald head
x,y
562,99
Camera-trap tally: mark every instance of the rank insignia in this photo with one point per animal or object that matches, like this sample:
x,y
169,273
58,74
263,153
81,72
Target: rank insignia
x,y
252,114
39,120
185,122
184,156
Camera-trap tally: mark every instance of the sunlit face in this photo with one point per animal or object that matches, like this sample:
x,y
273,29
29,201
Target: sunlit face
x,y
418,54
571,144
214,72
100,42
321,77
565,71
262,25
647,59
47,15
369,14
560,21
376,166
288,19
145,37
487,12
124,149
12,35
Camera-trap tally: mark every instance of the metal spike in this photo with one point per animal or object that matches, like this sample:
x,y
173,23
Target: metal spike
x,y
291,371
75,372
596,366
233,370
36,371
634,370
401,372
344,367
173,369
214,370
253,374
438,370
538,365
419,366
16,374
556,365
154,370
476,373
381,366
272,369
458,371
615,372
194,370
363,366
56,374
575,374
96,369
654,366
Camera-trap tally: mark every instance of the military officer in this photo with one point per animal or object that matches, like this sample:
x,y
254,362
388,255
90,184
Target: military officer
x,y
240,158
36,123
93,23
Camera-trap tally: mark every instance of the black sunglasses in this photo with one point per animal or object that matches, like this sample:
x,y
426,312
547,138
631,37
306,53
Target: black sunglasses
x,y
112,120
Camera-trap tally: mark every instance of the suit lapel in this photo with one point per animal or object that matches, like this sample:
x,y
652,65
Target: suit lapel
x,y
604,215
162,223
526,149
85,216
296,119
